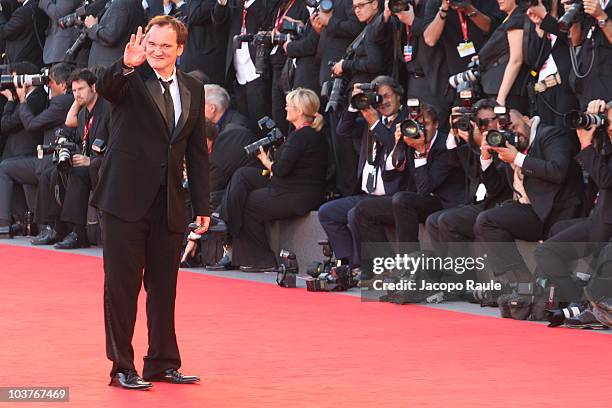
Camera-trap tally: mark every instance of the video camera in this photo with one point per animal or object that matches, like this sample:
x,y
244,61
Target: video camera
x,y
397,6
273,137
472,74
498,138
320,5
19,81
62,148
368,98
411,127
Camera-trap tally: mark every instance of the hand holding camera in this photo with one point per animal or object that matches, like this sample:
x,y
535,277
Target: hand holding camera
x,y
79,160
587,123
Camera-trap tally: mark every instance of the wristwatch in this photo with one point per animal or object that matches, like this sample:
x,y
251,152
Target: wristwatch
x,y
602,23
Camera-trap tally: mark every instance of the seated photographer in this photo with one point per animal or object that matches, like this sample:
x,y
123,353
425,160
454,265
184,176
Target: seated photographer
x,y
92,113
23,30
463,146
582,237
376,171
371,56
547,54
503,74
110,35
547,187
296,185
438,184
28,170
226,154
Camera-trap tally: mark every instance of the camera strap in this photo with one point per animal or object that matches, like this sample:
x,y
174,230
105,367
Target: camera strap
x,y
279,18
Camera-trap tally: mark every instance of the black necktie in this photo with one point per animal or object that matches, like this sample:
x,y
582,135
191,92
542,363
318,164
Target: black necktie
x,y
169,105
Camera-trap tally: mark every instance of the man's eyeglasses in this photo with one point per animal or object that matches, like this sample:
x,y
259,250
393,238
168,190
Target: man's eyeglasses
x,y
361,5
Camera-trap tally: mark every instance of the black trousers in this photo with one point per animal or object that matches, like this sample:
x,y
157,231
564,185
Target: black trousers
x,y
76,200
504,224
253,100
572,240
452,225
136,251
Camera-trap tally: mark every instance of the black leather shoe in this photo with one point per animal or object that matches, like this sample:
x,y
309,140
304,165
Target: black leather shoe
x,y
6,232
585,320
222,265
48,236
72,241
174,377
129,380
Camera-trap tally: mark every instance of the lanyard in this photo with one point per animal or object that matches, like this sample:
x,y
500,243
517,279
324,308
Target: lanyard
x,y
464,25
244,16
409,34
86,132
279,19
303,125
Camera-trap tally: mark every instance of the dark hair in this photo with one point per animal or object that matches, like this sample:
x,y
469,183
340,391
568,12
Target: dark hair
x,y
60,72
487,103
24,68
390,82
177,25
429,111
83,74
210,130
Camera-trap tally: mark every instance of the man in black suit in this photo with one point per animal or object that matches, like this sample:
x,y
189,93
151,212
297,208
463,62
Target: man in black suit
x,y
584,236
174,8
227,153
110,35
92,115
207,42
28,171
438,185
24,33
547,187
157,110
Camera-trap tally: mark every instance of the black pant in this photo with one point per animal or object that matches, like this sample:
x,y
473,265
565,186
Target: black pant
x,y
452,225
130,247
253,100
74,208
574,239
505,224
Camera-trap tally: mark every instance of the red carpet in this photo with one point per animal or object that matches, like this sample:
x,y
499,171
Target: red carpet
x,y
257,345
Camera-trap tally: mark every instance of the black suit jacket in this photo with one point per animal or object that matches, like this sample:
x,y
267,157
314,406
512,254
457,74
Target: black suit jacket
x,y
552,179
48,120
19,141
142,153
228,150
99,126
304,50
599,167
206,46
24,33
109,36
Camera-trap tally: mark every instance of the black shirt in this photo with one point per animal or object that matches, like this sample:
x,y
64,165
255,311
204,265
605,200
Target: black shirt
x,y
452,35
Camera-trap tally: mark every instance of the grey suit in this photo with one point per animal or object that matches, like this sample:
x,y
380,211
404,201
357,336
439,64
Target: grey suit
x,y
24,34
58,39
109,36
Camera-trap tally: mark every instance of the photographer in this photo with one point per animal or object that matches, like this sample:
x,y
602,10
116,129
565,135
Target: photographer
x,y
594,58
28,171
463,146
504,77
302,53
377,174
206,43
120,19
24,32
547,52
438,185
295,187
58,39
582,237
92,113
547,187
252,91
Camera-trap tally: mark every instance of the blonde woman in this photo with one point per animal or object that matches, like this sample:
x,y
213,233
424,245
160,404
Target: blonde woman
x,y
294,187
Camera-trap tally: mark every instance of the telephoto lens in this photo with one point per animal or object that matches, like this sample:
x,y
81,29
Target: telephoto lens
x,y
397,6
581,120
365,100
411,128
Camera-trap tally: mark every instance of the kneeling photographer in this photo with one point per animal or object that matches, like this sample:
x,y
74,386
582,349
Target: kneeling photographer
x,y
77,168
578,238
295,184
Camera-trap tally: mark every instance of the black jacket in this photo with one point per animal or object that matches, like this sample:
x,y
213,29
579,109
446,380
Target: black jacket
x,y
24,33
99,126
48,120
19,141
304,51
142,154
552,179
206,46
599,167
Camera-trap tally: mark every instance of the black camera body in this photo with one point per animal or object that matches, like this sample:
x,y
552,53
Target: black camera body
x,y
498,138
287,274
397,6
463,115
75,19
411,127
62,149
338,279
333,90
274,136
368,98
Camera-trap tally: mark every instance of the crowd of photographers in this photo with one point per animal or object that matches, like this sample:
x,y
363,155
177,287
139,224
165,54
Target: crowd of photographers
x,y
486,121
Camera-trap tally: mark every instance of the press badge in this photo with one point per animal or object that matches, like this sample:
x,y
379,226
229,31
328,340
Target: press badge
x,y
408,50
466,49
